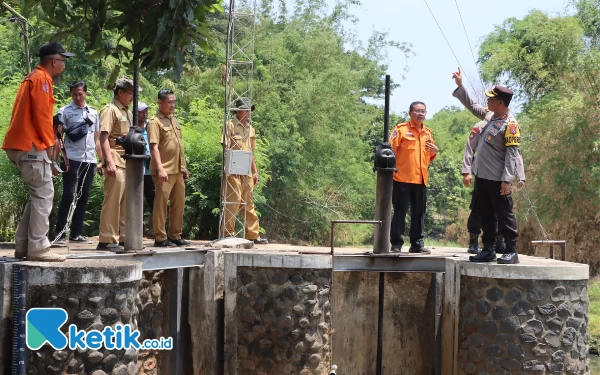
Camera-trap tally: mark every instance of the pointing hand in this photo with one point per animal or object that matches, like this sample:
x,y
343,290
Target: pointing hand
x,y
457,77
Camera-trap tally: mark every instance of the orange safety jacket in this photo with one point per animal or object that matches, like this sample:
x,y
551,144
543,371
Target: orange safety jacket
x,y
412,159
31,120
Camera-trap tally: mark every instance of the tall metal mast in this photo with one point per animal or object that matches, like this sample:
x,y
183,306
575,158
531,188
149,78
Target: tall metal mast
x,y
238,83
25,27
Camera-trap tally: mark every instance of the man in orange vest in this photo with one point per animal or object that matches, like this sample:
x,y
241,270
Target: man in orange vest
x,y
413,145
29,143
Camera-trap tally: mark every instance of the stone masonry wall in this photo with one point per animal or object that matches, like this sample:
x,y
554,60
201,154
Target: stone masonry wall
x,y
523,326
89,307
151,308
284,320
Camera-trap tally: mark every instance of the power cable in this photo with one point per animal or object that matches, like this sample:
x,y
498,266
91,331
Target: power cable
x,y
444,35
469,42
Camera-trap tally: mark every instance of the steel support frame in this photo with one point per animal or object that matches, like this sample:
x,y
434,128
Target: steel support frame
x,y
239,76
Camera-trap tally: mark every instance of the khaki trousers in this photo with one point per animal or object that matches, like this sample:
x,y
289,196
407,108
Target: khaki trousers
x,y
172,192
36,172
239,190
112,217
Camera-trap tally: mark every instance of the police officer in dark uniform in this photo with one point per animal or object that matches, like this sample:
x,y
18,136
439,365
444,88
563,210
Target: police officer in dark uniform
x,y
496,140
474,228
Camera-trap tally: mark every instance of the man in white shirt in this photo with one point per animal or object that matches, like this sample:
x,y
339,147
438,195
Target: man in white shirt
x,y
81,131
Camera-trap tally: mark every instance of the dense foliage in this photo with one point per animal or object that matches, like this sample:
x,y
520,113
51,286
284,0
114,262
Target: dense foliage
x,y
553,62
316,131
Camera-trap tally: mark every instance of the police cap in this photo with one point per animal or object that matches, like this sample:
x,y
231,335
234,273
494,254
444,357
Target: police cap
x,y
500,92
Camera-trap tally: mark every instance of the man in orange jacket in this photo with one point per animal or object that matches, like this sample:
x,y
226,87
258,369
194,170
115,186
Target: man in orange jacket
x,y
28,143
413,145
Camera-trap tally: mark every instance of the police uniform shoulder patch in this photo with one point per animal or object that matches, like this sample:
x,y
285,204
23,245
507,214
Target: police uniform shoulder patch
x,y
512,135
474,131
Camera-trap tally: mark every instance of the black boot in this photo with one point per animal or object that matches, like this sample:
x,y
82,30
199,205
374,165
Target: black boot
x,y
499,246
486,255
473,244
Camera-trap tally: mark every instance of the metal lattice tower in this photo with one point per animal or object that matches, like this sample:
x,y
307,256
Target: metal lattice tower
x,y
238,83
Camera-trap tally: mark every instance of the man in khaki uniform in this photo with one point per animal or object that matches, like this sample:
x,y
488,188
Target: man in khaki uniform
x,y
115,120
168,171
240,135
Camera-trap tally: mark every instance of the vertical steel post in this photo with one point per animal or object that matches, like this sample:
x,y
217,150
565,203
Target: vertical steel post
x,y
385,165
134,181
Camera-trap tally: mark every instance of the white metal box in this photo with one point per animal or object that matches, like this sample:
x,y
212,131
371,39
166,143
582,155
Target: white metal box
x,y
238,162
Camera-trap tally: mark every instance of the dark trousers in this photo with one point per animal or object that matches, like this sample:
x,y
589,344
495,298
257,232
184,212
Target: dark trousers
x,y
78,180
495,212
473,222
149,191
404,195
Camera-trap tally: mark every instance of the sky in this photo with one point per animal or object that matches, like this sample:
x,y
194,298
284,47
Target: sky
x,y
429,78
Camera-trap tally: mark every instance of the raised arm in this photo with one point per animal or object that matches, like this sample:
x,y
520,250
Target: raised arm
x,y
463,95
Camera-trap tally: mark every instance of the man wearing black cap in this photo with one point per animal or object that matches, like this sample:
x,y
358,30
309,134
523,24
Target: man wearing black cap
x,y
28,143
499,162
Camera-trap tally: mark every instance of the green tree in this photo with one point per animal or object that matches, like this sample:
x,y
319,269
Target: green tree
x,y
532,54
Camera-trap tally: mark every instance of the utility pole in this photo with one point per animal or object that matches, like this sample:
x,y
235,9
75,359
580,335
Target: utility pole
x,y
25,27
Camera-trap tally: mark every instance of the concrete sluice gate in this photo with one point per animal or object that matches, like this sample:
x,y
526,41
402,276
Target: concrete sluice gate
x,y
248,312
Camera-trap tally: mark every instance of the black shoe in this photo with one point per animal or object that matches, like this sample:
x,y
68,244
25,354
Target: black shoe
x,y
499,246
486,255
180,242
473,248
109,246
509,258
396,248
473,244
165,243
62,241
80,239
419,249
261,241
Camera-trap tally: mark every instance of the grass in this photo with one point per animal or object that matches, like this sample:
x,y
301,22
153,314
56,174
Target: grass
x,y
594,314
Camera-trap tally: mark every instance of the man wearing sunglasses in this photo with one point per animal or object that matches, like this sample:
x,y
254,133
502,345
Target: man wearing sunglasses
x,y
29,144
499,162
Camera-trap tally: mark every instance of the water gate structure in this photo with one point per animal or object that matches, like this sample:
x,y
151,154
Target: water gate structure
x,y
286,309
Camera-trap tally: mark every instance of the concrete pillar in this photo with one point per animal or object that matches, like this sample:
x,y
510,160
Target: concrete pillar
x,y
534,326
95,294
206,318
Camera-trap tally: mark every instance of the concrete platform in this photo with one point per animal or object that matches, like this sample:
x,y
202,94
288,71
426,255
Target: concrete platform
x,y
429,306
346,259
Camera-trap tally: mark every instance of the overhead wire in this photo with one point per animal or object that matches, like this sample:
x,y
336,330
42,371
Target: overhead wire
x,y
449,45
469,42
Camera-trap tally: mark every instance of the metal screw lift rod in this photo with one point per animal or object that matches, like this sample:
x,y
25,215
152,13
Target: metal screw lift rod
x,y
385,165
134,144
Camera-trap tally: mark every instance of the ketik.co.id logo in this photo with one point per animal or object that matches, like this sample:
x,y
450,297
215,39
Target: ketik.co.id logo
x,y
44,324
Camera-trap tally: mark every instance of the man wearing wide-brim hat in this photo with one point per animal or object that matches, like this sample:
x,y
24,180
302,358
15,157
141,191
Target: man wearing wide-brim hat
x,y
239,134
498,163
28,144
115,120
